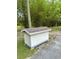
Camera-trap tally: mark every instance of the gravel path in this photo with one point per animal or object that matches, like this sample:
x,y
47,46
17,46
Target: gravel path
x,y
51,49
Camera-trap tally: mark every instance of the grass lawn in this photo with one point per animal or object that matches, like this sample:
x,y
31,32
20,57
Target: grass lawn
x,y
23,51
56,28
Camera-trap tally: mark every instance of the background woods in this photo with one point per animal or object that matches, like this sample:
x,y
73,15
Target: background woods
x,y
43,13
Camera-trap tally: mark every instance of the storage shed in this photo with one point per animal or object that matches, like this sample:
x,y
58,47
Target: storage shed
x,y
36,36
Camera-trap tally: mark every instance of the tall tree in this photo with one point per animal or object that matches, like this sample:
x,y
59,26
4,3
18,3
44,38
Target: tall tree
x,y
29,17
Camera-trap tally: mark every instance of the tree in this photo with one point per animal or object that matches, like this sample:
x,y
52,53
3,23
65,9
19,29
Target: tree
x,y
41,13
29,17
22,9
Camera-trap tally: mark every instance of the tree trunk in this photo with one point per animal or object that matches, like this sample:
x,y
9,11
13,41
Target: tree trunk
x,y
28,11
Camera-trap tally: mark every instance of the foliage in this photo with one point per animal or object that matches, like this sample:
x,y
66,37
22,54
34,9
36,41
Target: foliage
x,y
56,28
22,13
43,12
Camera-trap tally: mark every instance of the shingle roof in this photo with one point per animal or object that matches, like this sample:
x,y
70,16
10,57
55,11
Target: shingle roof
x,y
33,30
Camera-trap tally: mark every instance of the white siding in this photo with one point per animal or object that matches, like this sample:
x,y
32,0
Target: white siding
x,y
27,39
39,38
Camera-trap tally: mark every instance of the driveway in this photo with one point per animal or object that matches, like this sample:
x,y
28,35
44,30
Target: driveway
x,y
51,49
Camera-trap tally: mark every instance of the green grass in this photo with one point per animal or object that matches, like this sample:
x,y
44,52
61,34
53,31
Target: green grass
x,y
19,28
56,28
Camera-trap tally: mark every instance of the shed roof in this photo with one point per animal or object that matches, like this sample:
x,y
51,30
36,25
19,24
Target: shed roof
x,y
36,30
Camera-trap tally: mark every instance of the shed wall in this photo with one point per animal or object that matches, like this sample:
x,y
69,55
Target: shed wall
x,y
27,39
39,38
